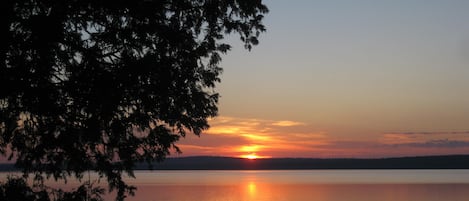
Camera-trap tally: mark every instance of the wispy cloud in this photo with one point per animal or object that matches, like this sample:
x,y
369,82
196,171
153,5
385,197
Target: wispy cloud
x,y
393,138
287,123
442,143
432,133
423,143
261,136
232,136
425,138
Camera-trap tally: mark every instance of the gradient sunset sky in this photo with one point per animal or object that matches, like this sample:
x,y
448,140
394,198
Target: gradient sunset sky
x,y
361,78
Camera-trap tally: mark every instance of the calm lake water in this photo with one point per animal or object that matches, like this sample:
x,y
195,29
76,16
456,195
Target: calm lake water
x,y
302,185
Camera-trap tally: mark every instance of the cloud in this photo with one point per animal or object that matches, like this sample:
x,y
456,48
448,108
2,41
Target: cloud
x,y
376,149
287,123
258,137
232,136
427,139
191,150
441,143
251,148
259,129
215,140
432,133
393,138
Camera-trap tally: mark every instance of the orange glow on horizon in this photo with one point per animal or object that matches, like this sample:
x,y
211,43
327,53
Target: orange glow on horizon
x,y
250,148
253,156
260,138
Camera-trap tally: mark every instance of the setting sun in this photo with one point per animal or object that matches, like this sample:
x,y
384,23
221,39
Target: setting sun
x,y
251,156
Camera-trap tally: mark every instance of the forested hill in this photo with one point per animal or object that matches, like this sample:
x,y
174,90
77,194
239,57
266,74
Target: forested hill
x,y
226,163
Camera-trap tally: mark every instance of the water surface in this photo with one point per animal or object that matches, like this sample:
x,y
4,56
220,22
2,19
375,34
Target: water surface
x,y
303,185
298,185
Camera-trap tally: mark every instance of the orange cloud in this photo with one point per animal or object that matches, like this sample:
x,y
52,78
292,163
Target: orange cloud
x,y
393,138
287,123
244,136
422,137
251,148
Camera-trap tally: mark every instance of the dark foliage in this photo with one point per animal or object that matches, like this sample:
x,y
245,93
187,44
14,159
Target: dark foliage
x,y
100,84
17,189
84,192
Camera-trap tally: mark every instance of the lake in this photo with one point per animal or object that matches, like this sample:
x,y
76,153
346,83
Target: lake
x,y
302,185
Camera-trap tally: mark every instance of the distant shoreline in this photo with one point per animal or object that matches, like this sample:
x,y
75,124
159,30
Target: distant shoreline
x,y
228,163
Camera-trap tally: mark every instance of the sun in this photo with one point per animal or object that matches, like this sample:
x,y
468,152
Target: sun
x,y
251,156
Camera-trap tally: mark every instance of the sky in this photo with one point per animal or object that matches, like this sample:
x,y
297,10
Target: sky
x,y
331,79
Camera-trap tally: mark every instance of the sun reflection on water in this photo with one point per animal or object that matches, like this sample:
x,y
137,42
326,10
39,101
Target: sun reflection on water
x,y
252,189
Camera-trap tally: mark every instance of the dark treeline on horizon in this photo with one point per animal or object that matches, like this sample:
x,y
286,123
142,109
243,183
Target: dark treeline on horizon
x,y
228,163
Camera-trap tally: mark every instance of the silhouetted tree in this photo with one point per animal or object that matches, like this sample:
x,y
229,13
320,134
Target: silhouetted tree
x,y
102,84
15,189
84,192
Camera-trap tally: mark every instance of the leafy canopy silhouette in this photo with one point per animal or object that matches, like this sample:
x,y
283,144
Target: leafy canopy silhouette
x,y
102,84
